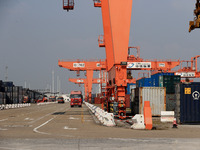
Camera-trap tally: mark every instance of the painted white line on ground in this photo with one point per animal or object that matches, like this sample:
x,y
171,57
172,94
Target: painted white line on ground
x,y
39,118
4,119
46,115
12,148
36,129
1,129
67,128
28,119
73,118
17,126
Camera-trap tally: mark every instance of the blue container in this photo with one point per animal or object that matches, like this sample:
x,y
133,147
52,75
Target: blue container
x,y
8,84
129,87
147,82
155,78
144,82
189,102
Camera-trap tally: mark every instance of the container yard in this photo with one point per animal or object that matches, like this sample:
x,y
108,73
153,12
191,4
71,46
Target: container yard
x,y
141,92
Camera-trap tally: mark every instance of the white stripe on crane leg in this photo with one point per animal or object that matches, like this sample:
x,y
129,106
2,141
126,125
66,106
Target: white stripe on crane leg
x,y
36,129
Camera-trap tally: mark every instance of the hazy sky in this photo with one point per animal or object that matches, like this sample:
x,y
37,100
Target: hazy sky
x,y
34,34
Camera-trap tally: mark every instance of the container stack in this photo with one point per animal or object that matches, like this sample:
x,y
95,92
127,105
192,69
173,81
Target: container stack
x,y
11,94
188,102
159,89
156,96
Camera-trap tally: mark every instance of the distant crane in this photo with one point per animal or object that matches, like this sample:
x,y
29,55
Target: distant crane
x,y
84,65
84,81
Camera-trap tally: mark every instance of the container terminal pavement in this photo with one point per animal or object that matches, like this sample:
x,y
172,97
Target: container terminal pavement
x,y
59,126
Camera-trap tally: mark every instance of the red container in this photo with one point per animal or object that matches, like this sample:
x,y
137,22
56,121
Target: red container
x,y
127,99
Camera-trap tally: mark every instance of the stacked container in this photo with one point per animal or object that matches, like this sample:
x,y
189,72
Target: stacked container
x,y
169,82
156,96
2,98
144,82
155,78
188,102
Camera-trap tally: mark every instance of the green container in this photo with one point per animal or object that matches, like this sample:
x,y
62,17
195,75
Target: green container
x,y
169,82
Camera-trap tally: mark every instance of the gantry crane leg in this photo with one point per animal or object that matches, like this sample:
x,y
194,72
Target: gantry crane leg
x,y
116,15
89,74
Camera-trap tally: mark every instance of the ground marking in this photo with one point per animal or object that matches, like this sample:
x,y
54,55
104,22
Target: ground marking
x,y
67,128
28,119
36,129
1,129
4,119
12,148
73,118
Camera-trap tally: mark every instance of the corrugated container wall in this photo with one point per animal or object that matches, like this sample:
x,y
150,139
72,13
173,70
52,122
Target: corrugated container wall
x,y
155,78
157,98
188,102
2,98
170,102
169,82
8,84
144,82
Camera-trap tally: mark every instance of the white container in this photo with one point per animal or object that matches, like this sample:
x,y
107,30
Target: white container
x,y
157,98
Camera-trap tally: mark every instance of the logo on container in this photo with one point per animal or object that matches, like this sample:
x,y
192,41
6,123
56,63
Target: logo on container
x,y
195,95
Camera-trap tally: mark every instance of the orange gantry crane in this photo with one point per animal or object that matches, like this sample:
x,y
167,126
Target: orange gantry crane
x,y
116,16
84,65
84,81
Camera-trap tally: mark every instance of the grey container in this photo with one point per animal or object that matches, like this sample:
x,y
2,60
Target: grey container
x,y
2,98
157,98
170,102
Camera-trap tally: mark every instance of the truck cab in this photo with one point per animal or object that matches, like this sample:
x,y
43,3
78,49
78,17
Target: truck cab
x,y
76,98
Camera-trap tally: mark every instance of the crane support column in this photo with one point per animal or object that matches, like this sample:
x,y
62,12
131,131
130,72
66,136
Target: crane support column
x,y
89,74
116,16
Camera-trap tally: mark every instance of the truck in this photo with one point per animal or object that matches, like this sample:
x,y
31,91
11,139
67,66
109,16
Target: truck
x,y
76,98
52,99
60,99
42,99
25,99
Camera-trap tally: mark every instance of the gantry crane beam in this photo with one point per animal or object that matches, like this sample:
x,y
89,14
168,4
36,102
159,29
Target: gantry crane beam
x,y
81,65
158,65
85,82
191,70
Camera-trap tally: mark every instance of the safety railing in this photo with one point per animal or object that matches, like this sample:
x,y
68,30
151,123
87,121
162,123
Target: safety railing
x,y
104,117
12,106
